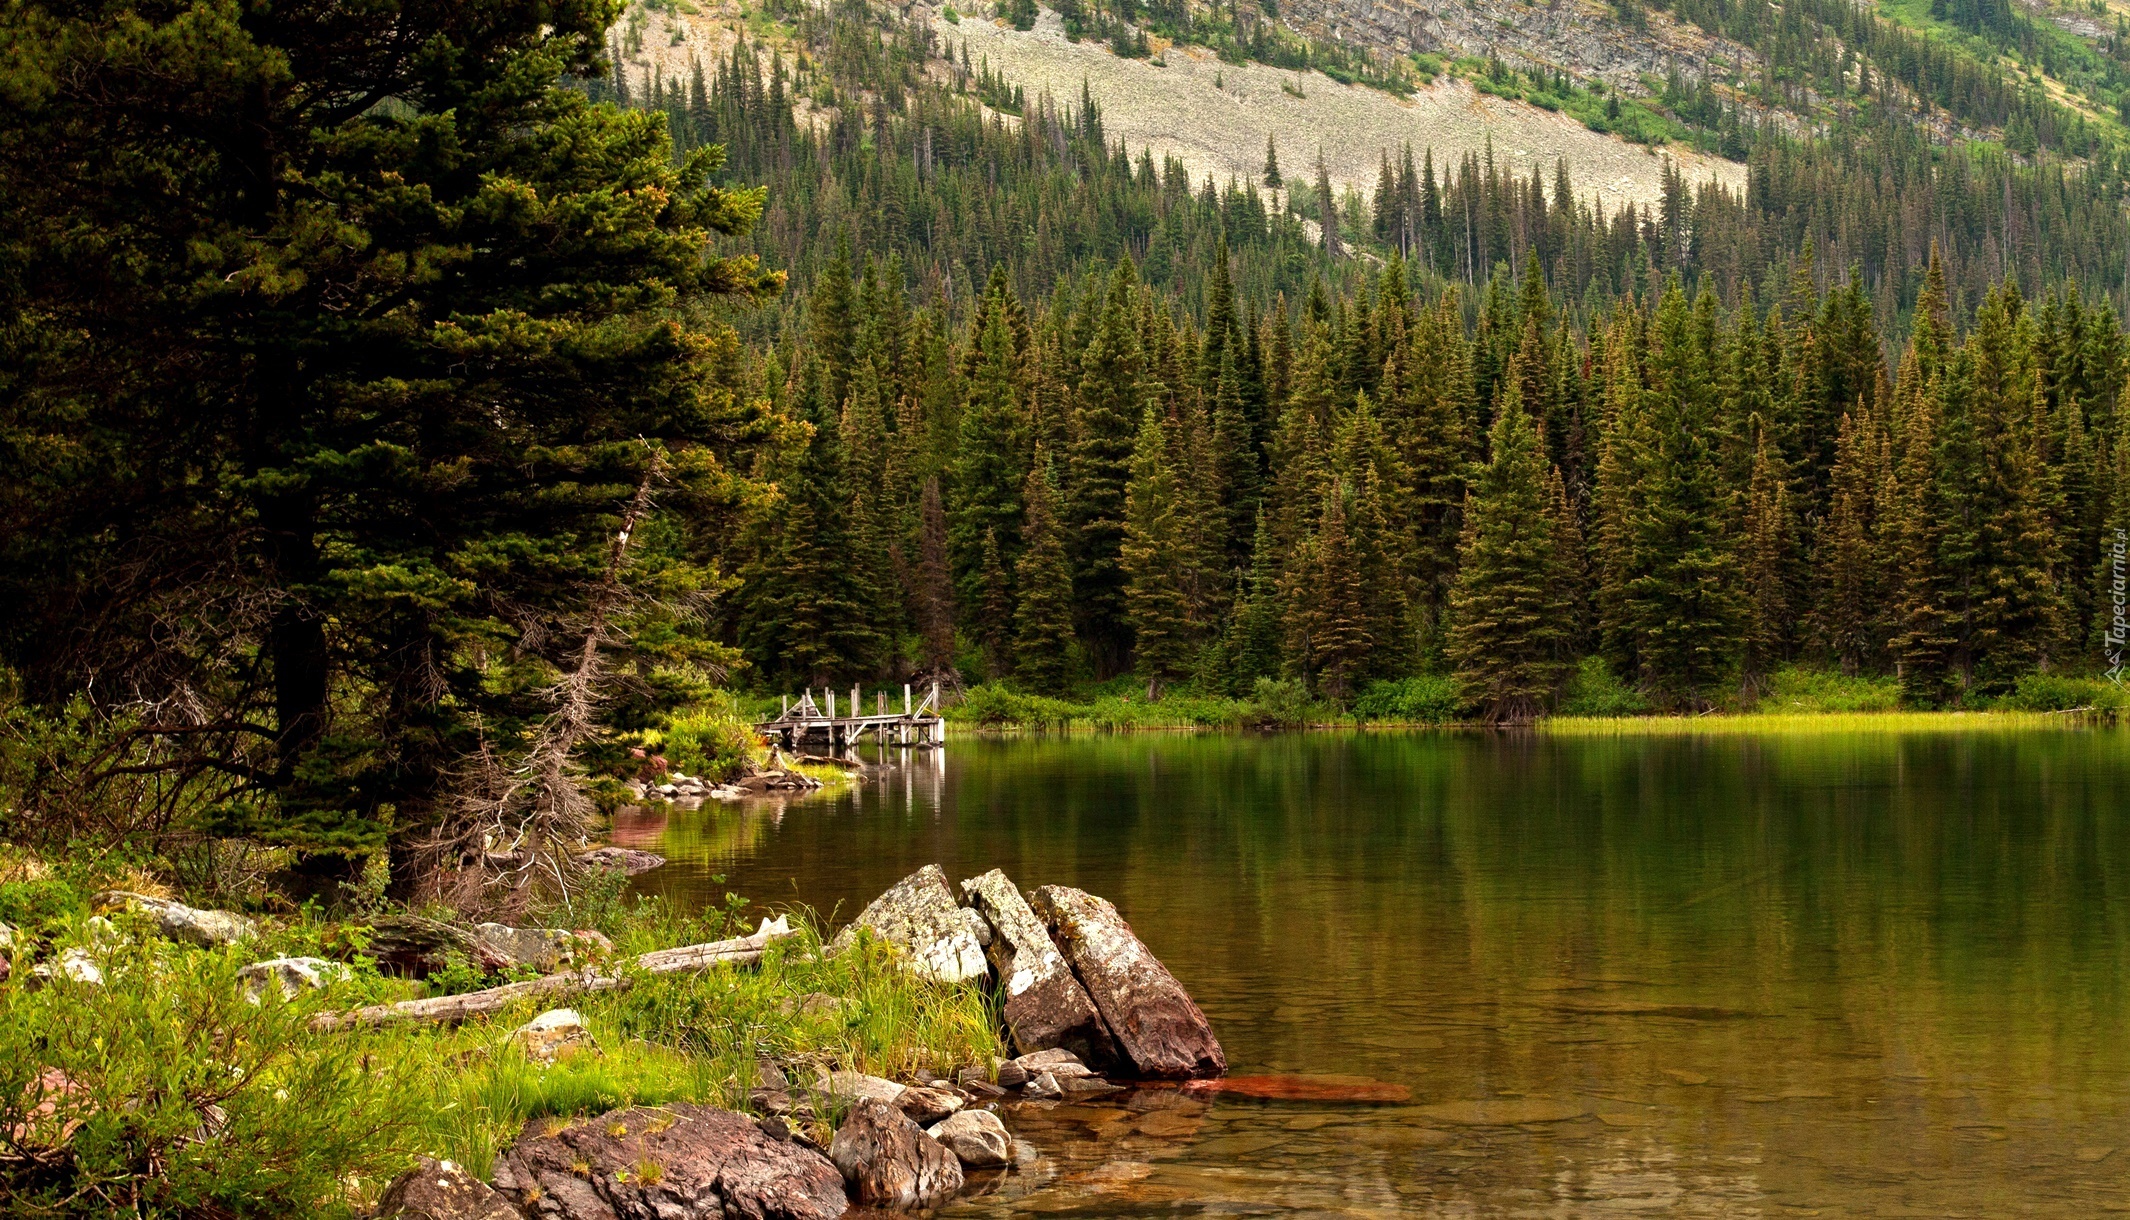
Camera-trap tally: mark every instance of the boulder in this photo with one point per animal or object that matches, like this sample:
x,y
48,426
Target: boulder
x,y
1057,1061
441,1190
976,1138
856,1086
628,859
412,945
181,922
676,1162
889,1161
541,949
1045,1006
293,974
926,1106
548,1035
918,915
71,966
1158,1030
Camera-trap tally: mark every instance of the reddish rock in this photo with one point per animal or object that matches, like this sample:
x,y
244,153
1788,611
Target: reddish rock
x,y
890,1161
1157,1028
440,1190
678,1162
1045,1006
1307,1088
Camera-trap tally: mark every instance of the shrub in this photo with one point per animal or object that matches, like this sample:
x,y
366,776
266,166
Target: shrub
x,y
1279,703
712,739
1420,699
1796,688
994,704
1595,691
2062,693
189,1099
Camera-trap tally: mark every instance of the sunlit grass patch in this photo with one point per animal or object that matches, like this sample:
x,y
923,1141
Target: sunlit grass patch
x,y
1805,722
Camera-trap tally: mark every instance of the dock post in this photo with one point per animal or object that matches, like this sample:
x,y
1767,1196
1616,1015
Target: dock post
x,y
857,710
905,698
784,707
830,692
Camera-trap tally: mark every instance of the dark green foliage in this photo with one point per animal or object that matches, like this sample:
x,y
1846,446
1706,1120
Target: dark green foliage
x,y
1508,626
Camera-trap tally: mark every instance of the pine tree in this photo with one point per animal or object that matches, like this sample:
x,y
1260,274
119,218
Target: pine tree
x,y
1327,210
1043,630
1106,419
1156,562
994,609
1766,548
932,593
1507,636
989,466
1326,616
1271,178
1853,582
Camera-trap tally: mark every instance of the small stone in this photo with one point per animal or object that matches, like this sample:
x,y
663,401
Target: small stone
x,y
547,1036
983,1088
1086,1086
71,966
977,1137
890,1161
441,1190
768,1075
628,859
294,974
1043,1086
858,1086
926,1106
1013,1076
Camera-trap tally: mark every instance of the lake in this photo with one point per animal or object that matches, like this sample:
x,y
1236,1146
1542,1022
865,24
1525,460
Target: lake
x,y
1805,973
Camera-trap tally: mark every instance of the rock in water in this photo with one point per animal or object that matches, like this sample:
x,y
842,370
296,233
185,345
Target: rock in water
x,y
440,1190
1158,1029
180,922
1045,1006
677,1162
977,1138
918,915
889,1161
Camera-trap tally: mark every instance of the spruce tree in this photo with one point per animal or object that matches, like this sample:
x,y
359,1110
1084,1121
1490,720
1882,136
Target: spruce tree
x,y
1271,177
1508,628
1766,558
1106,421
1156,563
989,466
1043,630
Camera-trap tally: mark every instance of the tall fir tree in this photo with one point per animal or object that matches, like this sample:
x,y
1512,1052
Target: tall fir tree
x,y
1508,628
1157,563
1043,639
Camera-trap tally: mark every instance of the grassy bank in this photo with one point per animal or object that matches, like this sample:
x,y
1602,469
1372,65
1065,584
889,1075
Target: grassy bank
x,y
191,1099
1594,700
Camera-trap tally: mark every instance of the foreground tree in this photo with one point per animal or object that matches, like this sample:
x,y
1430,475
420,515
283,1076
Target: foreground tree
x,y
341,345
1508,624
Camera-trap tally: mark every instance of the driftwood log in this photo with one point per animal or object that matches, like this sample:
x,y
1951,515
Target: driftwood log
x,y
449,1009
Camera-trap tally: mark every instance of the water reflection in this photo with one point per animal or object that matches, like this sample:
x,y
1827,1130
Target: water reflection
x,y
1719,976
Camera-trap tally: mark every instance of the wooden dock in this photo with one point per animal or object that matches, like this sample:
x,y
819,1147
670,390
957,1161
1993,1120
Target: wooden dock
x,y
918,726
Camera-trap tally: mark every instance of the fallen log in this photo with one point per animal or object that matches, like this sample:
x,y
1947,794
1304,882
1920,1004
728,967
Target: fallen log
x,y
449,1009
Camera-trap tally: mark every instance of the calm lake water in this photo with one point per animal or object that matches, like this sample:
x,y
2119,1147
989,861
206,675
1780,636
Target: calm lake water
x,y
1796,974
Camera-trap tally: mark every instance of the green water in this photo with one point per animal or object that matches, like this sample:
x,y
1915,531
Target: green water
x,y
1796,974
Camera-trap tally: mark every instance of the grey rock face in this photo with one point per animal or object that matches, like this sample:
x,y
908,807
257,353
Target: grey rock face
x,y
1044,1005
440,1190
1157,1027
977,1138
181,922
291,974
918,915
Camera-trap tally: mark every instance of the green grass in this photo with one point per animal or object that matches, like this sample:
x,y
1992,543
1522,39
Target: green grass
x,y
318,1123
1805,722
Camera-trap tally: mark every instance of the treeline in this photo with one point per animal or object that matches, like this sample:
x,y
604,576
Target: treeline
x,y
1096,483
915,169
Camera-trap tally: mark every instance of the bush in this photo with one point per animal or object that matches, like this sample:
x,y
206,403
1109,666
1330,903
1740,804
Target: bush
x,y
1279,703
1420,699
995,704
2062,693
1795,688
1595,691
181,1098
712,739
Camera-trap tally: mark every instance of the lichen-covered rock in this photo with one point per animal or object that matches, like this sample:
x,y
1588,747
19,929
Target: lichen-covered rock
x,y
542,949
292,974
1159,1031
551,1034
918,915
441,1190
889,1161
181,922
977,1138
71,966
1044,1005
677,1162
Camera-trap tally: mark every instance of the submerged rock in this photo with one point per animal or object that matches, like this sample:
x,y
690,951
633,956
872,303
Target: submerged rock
x,y
441,1190
181,922
890,1161
628,859
1044,1005
977,1138
1157,1027
293,974
676,1162
918,915
1309,1088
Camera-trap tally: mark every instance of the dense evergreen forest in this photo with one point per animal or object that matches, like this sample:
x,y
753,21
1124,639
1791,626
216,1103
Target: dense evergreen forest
x,y
391,433
1070,414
